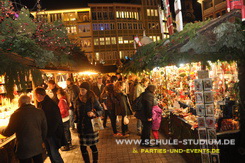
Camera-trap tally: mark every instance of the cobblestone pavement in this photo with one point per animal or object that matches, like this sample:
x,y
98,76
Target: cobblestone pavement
x,y
110,152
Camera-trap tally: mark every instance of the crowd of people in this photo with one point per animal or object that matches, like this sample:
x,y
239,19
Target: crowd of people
x,y
61,110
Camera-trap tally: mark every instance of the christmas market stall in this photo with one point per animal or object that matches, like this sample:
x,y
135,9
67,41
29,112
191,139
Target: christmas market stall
x,y
26,46
199,73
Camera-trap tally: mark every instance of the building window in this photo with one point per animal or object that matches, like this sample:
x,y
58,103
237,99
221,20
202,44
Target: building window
x,y
94,17
149,25
113,40
83,28
105,15
107,26
148,12
125,26
107,41
71,29
125,41
120,40
71,16
140,26
135,25
102,27
96,41
152,12
157,26
130,26
112,26
111,15
119,25
154,38
97,56
55,17
99,15
102,41
120,55
136,15
83,16
85,43
127,15
156,12
94,27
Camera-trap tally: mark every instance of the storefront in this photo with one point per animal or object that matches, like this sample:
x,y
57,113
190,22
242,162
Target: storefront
x,y
179,89
213,103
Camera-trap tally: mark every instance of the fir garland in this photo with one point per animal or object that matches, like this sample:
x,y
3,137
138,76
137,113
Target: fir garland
x,y
225,43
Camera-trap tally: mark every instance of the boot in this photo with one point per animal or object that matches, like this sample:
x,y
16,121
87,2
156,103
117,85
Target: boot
x,y
86,157
95,157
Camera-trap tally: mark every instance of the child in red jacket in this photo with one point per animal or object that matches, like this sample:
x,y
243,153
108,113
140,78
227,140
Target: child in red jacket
x,y
64,111
156,119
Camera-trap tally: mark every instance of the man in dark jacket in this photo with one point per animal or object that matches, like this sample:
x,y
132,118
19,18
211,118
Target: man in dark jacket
x,y
55,137
53,87
145,115
98,87
30,126
72,94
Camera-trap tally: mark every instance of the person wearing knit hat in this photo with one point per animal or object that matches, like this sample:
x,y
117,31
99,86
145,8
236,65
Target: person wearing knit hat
x,y
145,115
88,107
85,85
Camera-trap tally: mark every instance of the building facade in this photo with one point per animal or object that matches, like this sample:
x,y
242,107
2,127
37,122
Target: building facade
x,y
213,8
106,31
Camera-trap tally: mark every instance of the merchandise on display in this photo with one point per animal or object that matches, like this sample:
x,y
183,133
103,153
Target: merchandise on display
x,y
184,90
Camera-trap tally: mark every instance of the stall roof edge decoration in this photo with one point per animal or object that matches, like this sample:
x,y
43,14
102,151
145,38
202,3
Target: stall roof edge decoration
x,y
217,44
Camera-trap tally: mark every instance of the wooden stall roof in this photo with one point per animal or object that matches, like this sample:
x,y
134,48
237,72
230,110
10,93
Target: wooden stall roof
x,y
20,59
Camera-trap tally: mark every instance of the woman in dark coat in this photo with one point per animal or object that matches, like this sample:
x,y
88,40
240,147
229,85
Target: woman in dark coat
x,y
109,103
123,107
88,107
145,115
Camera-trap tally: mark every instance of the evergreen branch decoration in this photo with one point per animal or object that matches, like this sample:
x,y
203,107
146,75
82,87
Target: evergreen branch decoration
x,y
47,44
224,42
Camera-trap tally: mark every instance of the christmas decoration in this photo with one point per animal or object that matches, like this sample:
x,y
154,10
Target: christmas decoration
x,y
45,43
210,40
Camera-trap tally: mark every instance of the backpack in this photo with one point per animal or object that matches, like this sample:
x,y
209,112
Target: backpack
x,y
137,103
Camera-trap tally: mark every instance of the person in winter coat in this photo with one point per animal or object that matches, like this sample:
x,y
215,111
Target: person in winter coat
x,y
112,81
30,126
88,107
53,88
156,119
98,87
140,88
145,115
109,102
64,111
123,107
72,91
55,136
130,87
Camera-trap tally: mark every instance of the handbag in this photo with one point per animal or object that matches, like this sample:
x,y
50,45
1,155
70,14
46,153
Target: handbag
x,y
97,124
